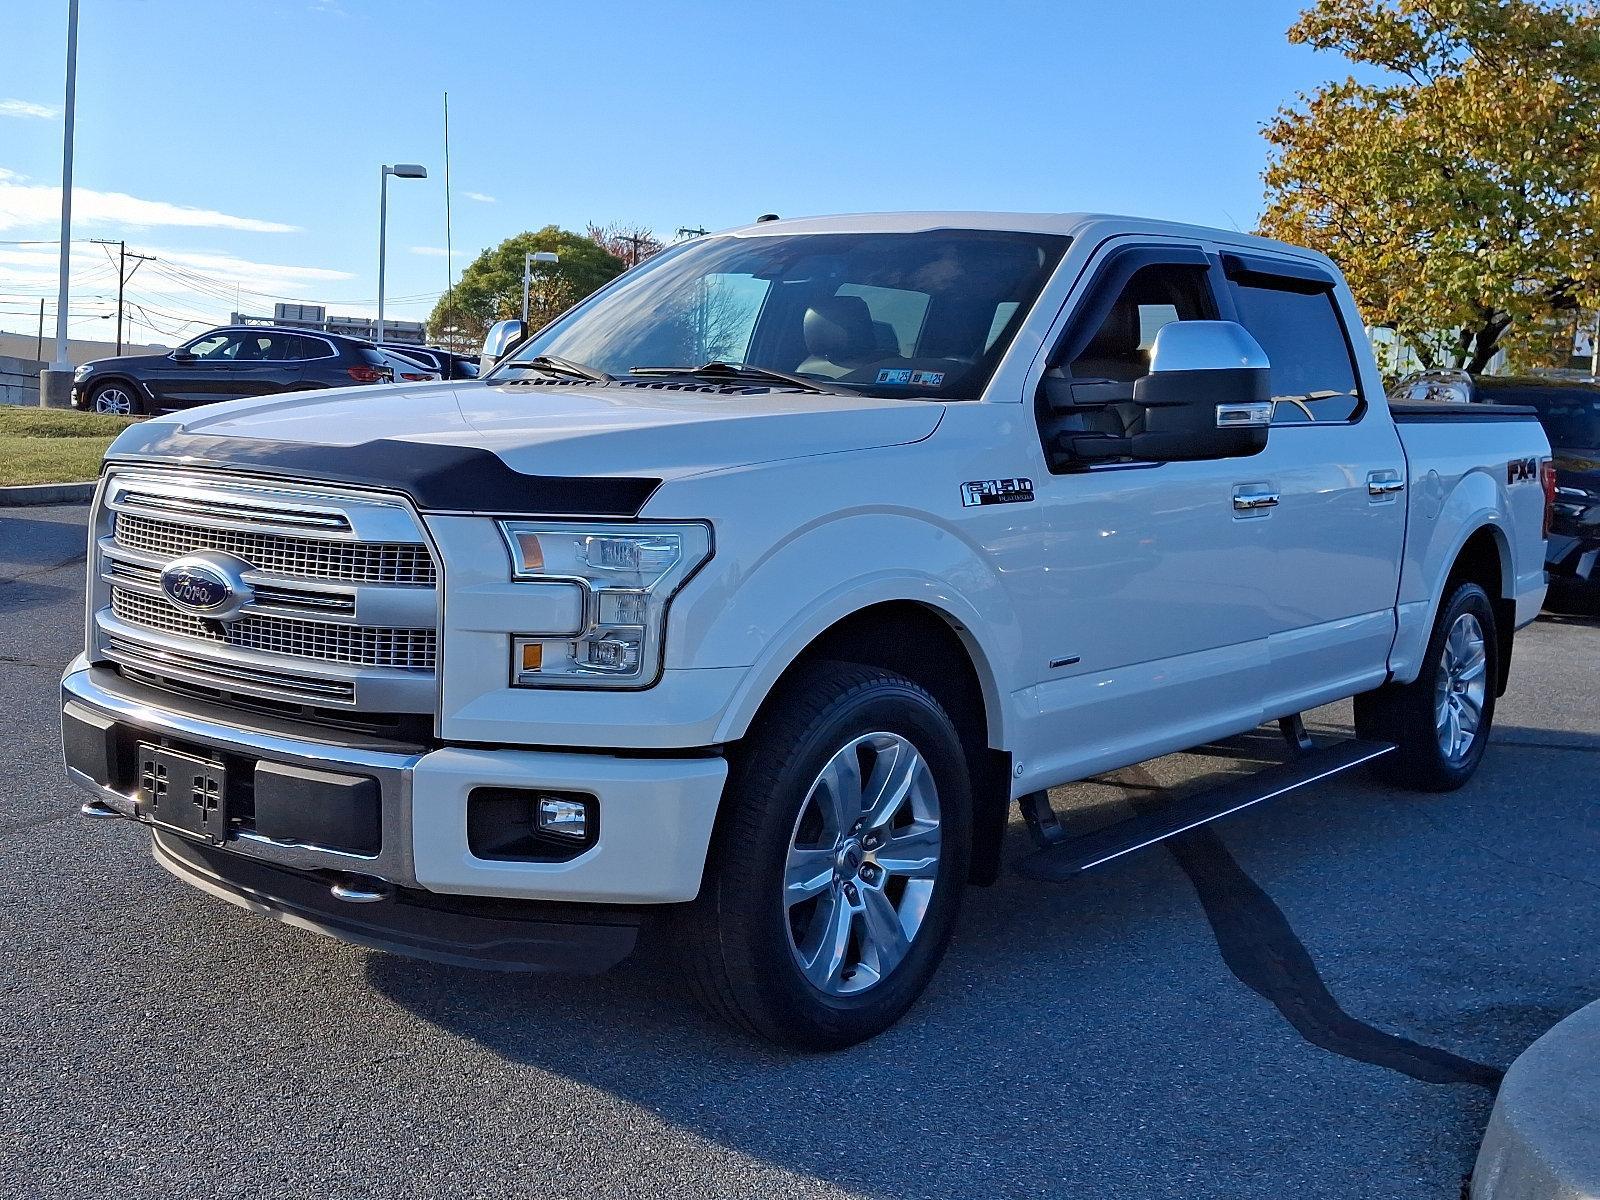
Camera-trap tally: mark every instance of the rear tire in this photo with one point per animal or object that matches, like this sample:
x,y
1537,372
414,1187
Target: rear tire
x,y
836,873
117,398
1441,721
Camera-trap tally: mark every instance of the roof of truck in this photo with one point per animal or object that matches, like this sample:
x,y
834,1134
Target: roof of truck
x,y
1076,225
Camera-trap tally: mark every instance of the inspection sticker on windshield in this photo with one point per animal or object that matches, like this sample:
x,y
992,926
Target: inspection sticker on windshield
x,y
996,491
906,377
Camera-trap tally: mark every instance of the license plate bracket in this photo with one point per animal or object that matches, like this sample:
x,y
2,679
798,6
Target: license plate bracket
x,y
184,793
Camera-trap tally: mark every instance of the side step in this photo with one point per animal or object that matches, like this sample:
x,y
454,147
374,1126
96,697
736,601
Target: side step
x,y
1063,857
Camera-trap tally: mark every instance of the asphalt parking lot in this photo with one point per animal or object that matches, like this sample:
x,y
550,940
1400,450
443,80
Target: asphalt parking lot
x,y
1312,999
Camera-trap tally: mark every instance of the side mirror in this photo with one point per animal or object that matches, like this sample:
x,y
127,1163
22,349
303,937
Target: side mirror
x,y
503,336
182,356
1208,395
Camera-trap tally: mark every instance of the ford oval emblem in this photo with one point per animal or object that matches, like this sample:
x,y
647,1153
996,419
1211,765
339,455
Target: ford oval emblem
x,y
198,586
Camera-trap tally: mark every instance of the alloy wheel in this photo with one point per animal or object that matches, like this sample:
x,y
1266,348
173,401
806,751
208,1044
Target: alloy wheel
x,y
1460,688
862,864
115,400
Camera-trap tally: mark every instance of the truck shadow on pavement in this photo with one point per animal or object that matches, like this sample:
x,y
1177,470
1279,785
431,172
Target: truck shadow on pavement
x,y
1094,1005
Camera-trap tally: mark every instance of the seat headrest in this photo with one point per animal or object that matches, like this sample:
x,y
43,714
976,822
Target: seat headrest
x,y
840,330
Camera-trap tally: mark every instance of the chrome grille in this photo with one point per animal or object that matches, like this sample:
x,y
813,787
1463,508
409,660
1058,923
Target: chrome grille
x,y
359,645
196,668
305,558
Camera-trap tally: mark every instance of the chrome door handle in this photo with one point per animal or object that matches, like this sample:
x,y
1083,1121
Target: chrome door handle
x,y
1384,485
1250,501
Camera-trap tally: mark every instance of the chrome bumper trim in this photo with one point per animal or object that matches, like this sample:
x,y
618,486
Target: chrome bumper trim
x,y
392,770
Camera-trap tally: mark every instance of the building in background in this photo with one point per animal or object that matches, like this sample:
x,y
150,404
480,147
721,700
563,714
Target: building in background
x,y
315,316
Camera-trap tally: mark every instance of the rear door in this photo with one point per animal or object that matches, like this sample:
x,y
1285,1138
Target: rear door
x,y
1332,542
265,363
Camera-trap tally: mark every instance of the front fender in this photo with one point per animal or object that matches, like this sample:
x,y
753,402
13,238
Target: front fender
x,y
764,616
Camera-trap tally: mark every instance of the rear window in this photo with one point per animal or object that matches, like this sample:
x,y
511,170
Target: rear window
x,y
371,356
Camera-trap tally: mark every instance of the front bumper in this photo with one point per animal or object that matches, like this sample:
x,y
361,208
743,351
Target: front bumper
x,y
655,817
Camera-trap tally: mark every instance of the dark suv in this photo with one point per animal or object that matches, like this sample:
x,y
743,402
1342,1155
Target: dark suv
x,y
225,364
1569,410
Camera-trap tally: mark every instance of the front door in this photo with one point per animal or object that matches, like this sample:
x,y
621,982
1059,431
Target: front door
x,y
1151,604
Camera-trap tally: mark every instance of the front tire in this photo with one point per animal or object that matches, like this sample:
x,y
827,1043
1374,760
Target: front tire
x,y
1441,721
837,870
116,398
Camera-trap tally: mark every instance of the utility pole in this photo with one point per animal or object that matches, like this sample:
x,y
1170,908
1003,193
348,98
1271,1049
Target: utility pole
x,y
528,259
38,343
634,241
123,275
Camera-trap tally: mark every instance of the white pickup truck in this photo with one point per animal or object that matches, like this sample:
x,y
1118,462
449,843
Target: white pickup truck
x,y
744,601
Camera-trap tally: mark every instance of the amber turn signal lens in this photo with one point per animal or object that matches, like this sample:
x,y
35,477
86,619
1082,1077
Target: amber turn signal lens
x,y
532,656
530,552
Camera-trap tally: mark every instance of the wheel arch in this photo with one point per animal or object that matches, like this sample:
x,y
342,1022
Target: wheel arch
x,y
140,396
937,650
1484,558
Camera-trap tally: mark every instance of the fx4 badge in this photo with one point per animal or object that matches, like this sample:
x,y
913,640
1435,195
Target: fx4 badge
x,y
1522,470
996,491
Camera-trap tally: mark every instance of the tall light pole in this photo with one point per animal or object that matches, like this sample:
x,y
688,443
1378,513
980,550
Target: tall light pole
x,y
403,171
528,259
68,111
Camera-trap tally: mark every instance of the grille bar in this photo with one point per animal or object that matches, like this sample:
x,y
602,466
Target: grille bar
x,y
394,563
192,667
397,649
162,503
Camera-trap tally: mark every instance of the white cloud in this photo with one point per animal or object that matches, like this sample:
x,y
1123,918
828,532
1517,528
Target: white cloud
x,y
430,251
24,205
26,108
480,197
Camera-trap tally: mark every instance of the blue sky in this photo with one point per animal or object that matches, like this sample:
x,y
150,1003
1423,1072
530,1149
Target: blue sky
x,y
241,142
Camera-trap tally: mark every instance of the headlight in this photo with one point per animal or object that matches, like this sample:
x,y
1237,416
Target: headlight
x,y
626,576
81,374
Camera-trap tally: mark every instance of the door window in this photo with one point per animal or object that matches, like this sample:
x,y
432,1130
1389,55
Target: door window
x,y
216,347
1313,372
1153,296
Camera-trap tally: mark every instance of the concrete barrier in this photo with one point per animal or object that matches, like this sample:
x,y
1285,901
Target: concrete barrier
x,y
46,493
19,380
1543,1140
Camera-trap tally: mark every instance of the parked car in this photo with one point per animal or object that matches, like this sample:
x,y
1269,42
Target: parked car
x,y
407,367
1569,410
448,363
226,364
739,605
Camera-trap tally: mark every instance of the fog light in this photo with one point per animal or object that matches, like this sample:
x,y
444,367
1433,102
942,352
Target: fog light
x,y
563,818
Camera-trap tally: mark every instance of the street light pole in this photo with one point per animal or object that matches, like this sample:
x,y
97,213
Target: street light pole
x,y
61,363
402,171
528,259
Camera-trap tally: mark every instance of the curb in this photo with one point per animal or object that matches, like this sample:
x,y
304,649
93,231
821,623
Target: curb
x,y
47,493
1541,1143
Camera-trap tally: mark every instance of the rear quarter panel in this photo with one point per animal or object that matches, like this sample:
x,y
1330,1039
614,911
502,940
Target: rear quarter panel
x,y
1460,480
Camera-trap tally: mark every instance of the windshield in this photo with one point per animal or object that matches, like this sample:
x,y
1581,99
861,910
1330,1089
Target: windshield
x,y
885,314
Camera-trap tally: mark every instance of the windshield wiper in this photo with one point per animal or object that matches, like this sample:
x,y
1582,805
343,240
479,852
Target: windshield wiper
x,y
722,370
554,364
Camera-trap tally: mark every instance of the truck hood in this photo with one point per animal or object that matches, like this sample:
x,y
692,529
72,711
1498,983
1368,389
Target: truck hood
x,y
560,429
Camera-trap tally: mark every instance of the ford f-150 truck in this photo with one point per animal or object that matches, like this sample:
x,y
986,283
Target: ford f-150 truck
x,y
746,599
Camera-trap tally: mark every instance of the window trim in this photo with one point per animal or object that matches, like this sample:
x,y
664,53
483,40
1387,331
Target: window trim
x,y
1105,284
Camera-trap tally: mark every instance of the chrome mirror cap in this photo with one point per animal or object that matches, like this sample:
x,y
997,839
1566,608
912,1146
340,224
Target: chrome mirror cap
x,y
503,336
1206,346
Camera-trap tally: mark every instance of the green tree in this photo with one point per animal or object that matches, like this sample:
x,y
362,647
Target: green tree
x,y
1454,182
491,288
